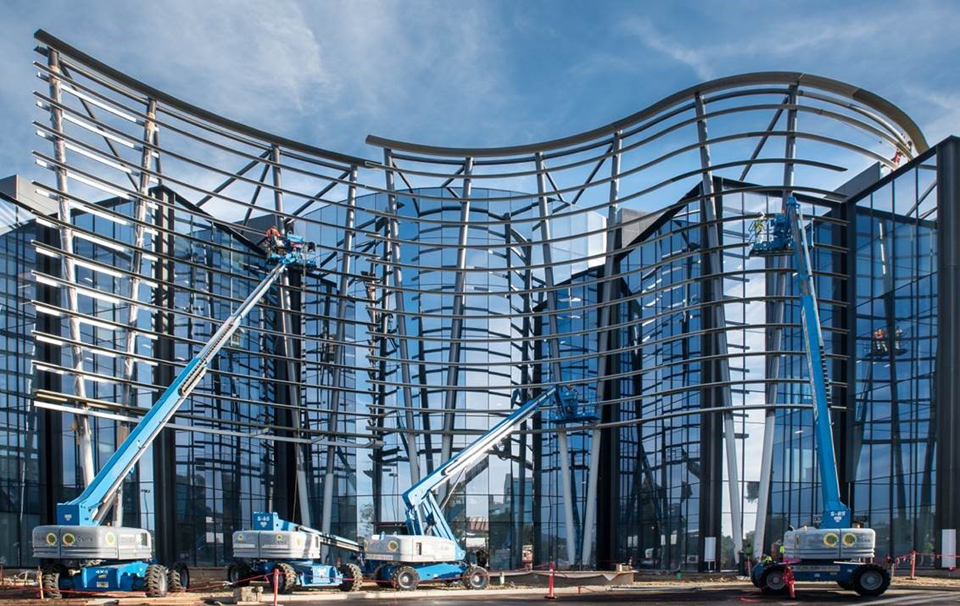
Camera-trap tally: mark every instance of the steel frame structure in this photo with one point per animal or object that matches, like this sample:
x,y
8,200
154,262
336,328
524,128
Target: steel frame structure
x,y
492,212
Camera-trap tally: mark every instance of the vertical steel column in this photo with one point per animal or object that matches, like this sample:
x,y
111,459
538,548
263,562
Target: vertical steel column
x,y
50,423
286,318
715,255
393,227
569,493
947,382
68,268
140,207
346,266
603,338
775,339
165,352
456,322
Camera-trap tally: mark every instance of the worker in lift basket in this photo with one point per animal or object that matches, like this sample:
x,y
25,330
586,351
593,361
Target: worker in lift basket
x,y
880,341
274,240
758,225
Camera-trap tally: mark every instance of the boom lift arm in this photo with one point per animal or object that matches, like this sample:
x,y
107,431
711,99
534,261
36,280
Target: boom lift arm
x,y
91,506
273,522
423,510
834,551
406,560
78,552
788,235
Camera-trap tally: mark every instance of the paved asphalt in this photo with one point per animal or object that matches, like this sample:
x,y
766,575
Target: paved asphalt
x,y
707,596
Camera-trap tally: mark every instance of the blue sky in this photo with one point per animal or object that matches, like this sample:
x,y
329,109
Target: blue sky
x,y
475,73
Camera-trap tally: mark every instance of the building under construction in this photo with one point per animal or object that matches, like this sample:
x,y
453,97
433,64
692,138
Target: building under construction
x,y
457,283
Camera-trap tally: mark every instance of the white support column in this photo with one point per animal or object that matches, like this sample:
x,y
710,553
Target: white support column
x,y
774,344
456,322
591,505
603,359
393,227
140,208
68,272
569,492
346,267
714,229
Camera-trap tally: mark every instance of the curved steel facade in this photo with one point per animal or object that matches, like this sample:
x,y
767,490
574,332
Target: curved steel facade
x,y
453,283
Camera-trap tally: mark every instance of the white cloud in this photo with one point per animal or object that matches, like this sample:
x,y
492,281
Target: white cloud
x,y
653,38
944,119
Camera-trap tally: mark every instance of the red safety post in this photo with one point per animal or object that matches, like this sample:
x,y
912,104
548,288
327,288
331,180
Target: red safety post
x,y
913,564
40,582
550,594
276,585
788,577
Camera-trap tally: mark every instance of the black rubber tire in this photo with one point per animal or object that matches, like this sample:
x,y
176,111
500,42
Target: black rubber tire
x,y
179,580
475,577
50,581
772,580
288,578
157,581
405,578
870,580
848,585
377,577
239,573
352,577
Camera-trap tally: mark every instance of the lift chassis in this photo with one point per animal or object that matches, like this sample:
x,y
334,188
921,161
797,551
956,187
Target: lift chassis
x,y
295,552
834,551
79,553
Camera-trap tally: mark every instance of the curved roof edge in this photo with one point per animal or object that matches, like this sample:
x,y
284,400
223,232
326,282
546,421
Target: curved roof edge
x,y
865,97
171,101
862,96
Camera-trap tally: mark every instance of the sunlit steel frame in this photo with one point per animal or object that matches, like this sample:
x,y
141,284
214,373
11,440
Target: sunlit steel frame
x,y
639,170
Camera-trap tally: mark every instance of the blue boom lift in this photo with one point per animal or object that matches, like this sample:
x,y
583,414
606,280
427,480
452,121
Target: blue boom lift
x,y
406,560
79,553
834,551
295,551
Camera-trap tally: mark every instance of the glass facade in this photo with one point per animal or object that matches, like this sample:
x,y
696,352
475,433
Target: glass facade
x,y
892,435
19,430
662,375
452,285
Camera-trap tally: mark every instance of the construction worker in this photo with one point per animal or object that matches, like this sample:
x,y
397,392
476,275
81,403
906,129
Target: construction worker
x,y
880,341
274,240
758,225
482,558
777,550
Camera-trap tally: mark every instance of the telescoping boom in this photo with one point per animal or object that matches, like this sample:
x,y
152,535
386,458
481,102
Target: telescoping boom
x,y
406,560
78,554
834,551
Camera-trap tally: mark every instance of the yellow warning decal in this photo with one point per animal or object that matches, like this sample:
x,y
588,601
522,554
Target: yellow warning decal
x,y
849,539
69,539
831,539
51,538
